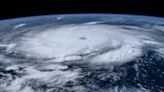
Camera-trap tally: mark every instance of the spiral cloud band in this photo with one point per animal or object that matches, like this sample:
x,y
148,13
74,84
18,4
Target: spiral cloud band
x,y
96,43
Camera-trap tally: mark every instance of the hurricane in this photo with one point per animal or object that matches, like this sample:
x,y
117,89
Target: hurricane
x,y
82,57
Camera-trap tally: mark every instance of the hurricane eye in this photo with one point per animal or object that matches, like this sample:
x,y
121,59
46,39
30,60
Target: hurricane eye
x,y
82,38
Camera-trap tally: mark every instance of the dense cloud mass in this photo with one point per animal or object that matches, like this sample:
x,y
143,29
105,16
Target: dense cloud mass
x,y
90,56
75,42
